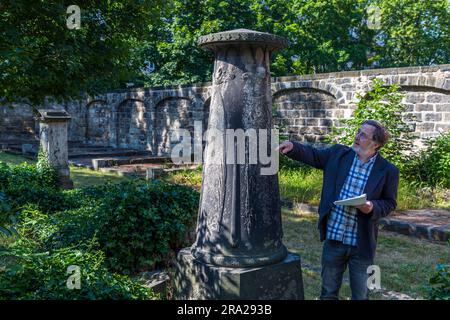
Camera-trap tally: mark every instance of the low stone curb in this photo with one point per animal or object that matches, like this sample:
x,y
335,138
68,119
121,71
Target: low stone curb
x,y
421,231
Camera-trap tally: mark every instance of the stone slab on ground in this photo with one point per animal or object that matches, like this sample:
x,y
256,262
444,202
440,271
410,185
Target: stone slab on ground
x,y
431,224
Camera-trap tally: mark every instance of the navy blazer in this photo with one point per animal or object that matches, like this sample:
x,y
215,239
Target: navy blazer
x,y
381,189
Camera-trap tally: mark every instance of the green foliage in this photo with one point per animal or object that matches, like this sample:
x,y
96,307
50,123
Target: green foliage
x,y
30,184
440,283
34,274
412,32
47,173
432,164
323,35
129,227
41,57
382,103
138,225
7,218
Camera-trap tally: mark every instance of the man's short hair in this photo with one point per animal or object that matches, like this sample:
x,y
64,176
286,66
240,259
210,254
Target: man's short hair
x,y
381,134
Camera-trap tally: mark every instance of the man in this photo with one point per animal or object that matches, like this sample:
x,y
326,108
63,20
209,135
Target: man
x,y
350,232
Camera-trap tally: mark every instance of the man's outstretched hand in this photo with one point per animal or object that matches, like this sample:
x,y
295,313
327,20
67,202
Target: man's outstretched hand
x,y
365,208
285,147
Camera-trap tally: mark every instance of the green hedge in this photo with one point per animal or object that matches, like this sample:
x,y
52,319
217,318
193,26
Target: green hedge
x,y
138,225
111,231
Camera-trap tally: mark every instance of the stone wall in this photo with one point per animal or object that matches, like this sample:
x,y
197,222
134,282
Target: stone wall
x,y
309,106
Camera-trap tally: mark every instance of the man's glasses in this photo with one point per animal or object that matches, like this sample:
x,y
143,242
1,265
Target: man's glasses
x,y
362,135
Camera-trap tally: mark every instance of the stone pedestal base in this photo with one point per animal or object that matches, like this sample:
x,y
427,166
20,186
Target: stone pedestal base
x,y
196,280
66,182
64,178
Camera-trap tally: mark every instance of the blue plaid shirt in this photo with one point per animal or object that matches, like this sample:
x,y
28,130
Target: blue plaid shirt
x,y
342,222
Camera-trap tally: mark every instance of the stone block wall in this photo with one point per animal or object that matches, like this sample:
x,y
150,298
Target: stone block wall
x,y
308,106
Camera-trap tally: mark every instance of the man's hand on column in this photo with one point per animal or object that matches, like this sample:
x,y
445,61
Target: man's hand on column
x,y
365,208
285,147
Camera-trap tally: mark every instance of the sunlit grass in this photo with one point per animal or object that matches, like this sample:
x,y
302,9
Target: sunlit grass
x,y
299,185
406,263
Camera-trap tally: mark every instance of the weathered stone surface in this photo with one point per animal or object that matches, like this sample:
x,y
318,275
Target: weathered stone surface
x,y
240,221
154,173
144,118
423,107
53,141
239,224
431,224
197,280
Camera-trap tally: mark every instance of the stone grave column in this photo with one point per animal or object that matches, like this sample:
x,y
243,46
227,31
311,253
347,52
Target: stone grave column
x,y
53,141
238,252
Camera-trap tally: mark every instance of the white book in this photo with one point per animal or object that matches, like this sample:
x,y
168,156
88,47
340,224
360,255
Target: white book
x,y
355,201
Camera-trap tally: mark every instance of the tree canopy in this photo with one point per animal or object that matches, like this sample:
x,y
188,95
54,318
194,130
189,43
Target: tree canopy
x,y
40,57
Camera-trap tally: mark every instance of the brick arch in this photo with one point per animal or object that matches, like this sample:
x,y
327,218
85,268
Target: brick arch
x,y
171,96
417,82
301,89
132,124
323,86
171,113
98,118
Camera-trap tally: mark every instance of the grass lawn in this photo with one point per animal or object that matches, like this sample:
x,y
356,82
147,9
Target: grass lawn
x,y
305,185
405,263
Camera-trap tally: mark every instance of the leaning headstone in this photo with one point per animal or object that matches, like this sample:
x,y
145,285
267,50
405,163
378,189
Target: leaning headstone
x,y
53,141
238,252
154,173
27,148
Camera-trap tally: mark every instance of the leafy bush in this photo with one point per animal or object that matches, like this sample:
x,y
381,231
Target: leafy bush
x,y
127,228
7,218
432,165
31,274
440,283
381,103
138,225
48,174
25,183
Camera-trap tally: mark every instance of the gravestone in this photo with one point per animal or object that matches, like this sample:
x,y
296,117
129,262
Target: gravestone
x,y
238,252
53,141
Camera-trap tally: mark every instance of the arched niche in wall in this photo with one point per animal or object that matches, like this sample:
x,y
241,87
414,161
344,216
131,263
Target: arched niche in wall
x,y
98,123
172,113
304,114
426,109
132,125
